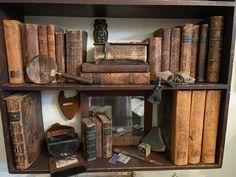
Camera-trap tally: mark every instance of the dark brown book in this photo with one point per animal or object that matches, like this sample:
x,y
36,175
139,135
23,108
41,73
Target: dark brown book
x,y
115,68
210,127
202,55
26,127
175,49
194,50
196,126
76,50
186,47
43,40
98,129
215,46
30,45
60,54
106,135
14,51
165,34
118,78
180,127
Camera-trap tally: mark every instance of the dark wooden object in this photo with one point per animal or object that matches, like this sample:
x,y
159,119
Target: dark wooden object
x,y
17,9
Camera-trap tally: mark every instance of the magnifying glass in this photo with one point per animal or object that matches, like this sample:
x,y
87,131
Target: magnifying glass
x,y
42,70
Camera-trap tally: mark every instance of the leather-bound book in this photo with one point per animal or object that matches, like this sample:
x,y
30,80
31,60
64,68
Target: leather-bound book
x,y
88,135
43,40
106,135
196,126
194,50
215,46
76,50
98,129
210,126
165,34
118,78
175,49
30,45
180,127
26,127
60,54
186,48
202,55
14,51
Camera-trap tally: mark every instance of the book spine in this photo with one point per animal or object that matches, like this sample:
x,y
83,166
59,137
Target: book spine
x,y
14,52
180,127
194,50
98,128
210,126
107,140
118,78
202,56
154,57
175,49
43,40
91,143
186,46
196,126
60,54
215,46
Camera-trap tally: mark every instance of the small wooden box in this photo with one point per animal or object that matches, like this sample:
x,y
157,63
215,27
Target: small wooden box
x,y
131,51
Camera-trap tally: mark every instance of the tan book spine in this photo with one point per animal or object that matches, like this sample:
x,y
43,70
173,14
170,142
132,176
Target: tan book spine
x,y
210,126
180,127
215,46
14,51
186,47
43,40
194,50
196,126
175,49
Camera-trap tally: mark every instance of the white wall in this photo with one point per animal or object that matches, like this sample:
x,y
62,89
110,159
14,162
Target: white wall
x,y
126,30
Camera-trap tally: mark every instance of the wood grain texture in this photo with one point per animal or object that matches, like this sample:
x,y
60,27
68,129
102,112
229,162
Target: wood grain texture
x,y
175,49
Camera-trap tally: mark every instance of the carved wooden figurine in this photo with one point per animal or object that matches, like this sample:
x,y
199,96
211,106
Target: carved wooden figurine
x,y
100,33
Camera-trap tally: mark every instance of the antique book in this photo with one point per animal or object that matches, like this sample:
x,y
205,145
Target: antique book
x,y
165,34
194,50
43,40
180,127
114,68
14,51
26,127
175,49
60,54
76,50
120,51
106,135
202,54
186,46
215,46
30,45
88,136
51,41
95,110
210,127
98,129
196,126
118,78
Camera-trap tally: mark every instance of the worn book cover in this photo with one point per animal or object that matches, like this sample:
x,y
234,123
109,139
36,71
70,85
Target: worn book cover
x,y
98,129
43,40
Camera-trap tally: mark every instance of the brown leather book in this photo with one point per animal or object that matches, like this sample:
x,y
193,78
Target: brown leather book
x,y
196,126
30,45
106,135
43,40
60,54
175,49
98,129
76,50
26,127
210,128
14,51
215,46
118,78
51,29
165,34
186,47
194,50
202,55
180,127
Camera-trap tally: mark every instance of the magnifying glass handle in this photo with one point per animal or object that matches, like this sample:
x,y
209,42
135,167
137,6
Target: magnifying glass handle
x,y
76,78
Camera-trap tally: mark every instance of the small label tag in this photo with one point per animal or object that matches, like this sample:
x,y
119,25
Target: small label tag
x,y
114,158
66,161
124,158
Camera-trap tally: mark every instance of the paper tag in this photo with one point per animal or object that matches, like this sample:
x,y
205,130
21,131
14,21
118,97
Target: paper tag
x,y
114,158
124,158
66,161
